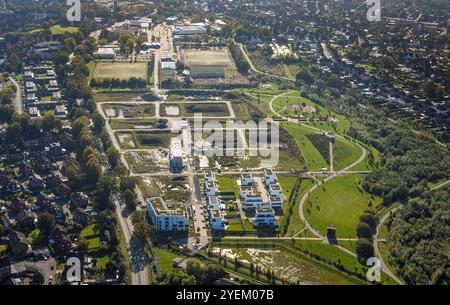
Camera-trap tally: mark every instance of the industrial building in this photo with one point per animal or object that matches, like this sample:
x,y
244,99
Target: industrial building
x,y
189,30
105,53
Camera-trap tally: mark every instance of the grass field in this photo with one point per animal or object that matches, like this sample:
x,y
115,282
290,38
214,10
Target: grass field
x,y
59,30
314,160
210,57
241,111
164,259
344,153
120,70
339,202
283,105
89,230
295,224
132,123
116,96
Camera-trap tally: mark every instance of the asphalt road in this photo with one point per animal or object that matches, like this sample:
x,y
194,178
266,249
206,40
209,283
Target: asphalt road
x,y
138,262
18,104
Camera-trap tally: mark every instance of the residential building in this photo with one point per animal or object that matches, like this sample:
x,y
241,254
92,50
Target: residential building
x,y
19,243
275,190
209,176
246,179
252,201
276,202
46,50
218,221
211,188
165,217
270,177
265,217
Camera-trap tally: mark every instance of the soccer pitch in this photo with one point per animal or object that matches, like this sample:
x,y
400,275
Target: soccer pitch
x,y
120,70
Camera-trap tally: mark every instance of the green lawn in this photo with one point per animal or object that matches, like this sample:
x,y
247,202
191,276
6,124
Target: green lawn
x,y
340,202
59,30
3,248
36,239
225,184
344,153
314,160
88,231
281,105
101,262
94,243
295,224
164,258
91,66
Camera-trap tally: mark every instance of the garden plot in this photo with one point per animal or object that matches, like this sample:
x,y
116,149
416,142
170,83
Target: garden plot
x,y
153,139
126,140
207,109
147,161
284,264
130,110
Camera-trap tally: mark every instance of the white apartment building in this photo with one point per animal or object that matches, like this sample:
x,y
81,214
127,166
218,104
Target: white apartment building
x,y
211,188
165,217
265,217
270,177
246,179
218,221
276,202
275,190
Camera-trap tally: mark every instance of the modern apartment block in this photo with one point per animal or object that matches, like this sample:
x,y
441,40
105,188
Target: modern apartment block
x,y
167,217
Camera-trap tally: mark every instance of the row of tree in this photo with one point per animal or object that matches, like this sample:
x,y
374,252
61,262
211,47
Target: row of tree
x,y
132,82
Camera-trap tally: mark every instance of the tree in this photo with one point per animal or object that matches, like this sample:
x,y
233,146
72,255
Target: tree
x,y
363,230
130,199
50,122
334,81
440,91
113,156
73,178
46,222
83,245
143,230
430,89
194,267
1,229
93,171
98,120
305,75
369,219
364,248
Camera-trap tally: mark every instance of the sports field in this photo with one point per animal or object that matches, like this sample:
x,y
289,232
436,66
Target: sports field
x,y
120,70
209,57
